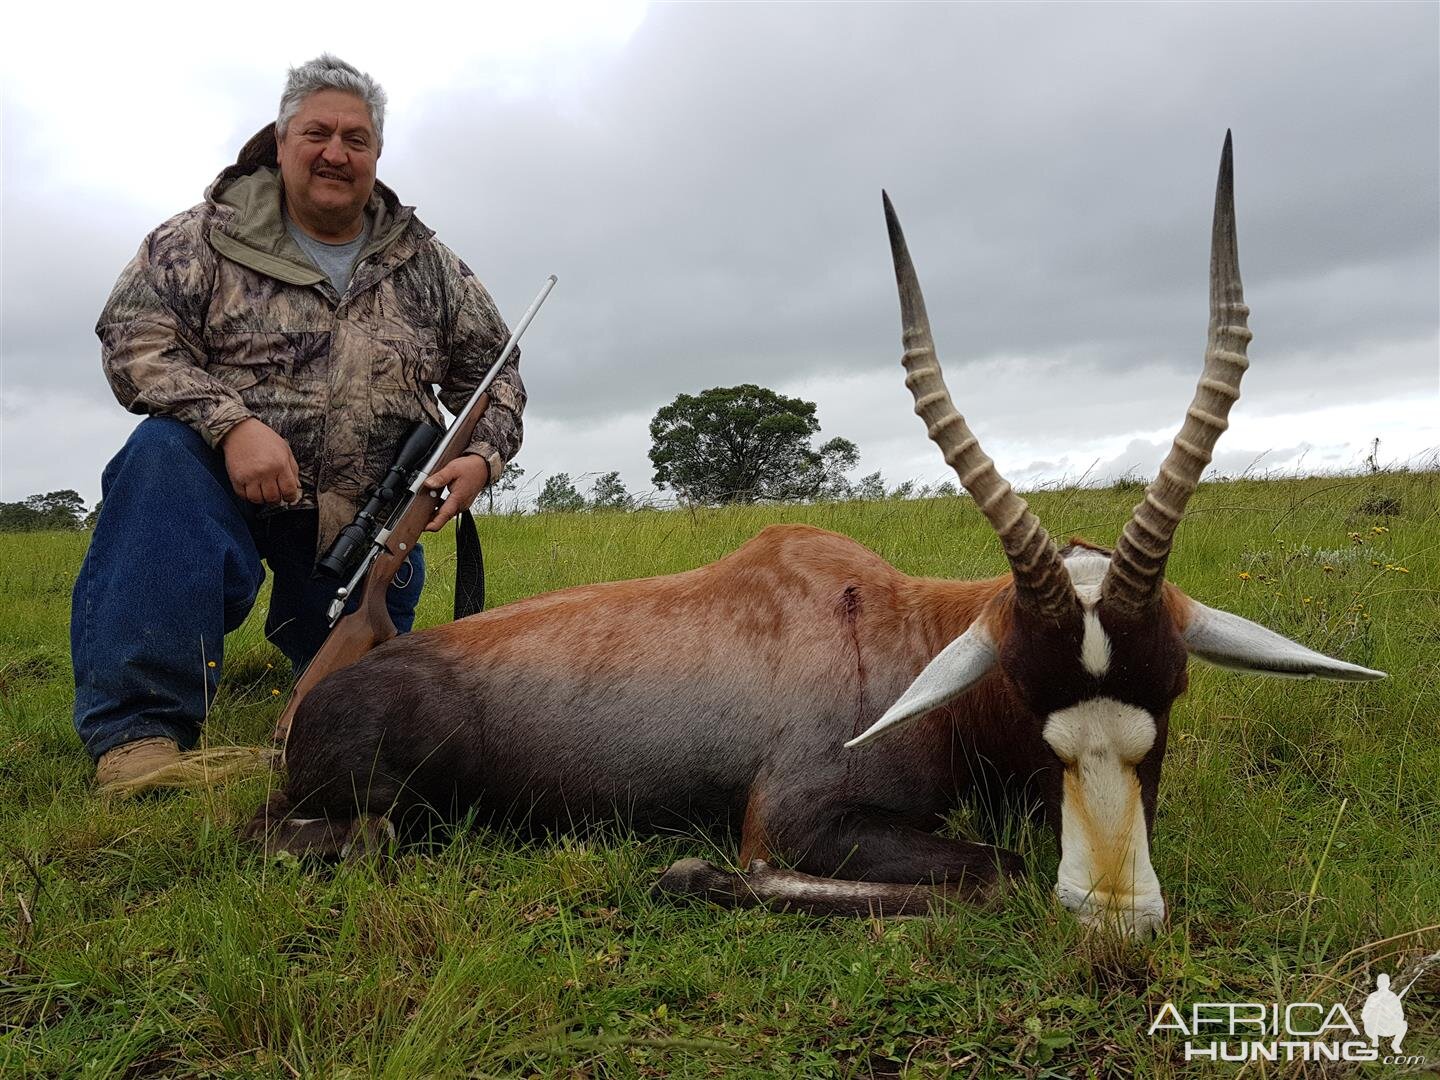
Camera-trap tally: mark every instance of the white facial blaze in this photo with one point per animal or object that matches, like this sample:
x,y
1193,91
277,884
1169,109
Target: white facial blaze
x,y
1087,574
1105,872
1094,646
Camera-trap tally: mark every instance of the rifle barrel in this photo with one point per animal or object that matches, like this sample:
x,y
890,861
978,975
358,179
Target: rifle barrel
x,y
444,445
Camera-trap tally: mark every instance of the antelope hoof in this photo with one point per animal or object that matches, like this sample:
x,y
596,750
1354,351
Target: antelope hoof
x,y
695,877
318,838
368,836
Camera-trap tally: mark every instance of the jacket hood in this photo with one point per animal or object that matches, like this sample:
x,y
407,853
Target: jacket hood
x,y
253,232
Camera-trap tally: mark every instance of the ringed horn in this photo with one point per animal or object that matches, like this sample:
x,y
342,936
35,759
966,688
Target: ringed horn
x,y
1137,569
1041,581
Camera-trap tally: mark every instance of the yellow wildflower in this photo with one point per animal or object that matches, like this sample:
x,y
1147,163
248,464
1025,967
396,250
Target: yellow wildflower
x,y
274,693
210,663
1244,575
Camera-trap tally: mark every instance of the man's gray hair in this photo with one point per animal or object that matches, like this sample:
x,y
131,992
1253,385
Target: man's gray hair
x,y
328,72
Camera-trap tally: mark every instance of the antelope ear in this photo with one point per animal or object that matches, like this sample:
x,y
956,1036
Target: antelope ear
x,y
1233,642
959,666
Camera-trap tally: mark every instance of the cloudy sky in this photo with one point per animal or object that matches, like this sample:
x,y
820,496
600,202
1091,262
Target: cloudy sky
x,y
705,180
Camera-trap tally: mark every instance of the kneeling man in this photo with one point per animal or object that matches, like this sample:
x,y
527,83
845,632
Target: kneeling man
x,y
282,337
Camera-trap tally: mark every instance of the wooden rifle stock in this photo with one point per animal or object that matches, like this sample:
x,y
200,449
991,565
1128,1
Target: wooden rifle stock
x,y
359,631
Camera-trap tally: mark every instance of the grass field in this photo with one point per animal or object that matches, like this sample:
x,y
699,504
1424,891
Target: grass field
x,y
1298,841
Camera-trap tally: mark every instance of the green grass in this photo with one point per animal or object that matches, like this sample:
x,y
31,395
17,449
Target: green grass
x,y
138,938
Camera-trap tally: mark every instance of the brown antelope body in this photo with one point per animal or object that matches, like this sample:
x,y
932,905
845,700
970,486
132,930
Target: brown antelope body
x,y
750,691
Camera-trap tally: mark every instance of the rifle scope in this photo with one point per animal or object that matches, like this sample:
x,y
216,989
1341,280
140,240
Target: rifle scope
x,y
355,539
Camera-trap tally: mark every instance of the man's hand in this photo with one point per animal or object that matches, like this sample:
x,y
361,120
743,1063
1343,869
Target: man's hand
x,y
262,469
466,476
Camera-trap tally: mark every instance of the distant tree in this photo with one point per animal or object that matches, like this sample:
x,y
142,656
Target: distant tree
x,y
509,481
59,509
869,487
609,493
837,457
55,510
744,444
945,489
17,517
904,490
92,517
559,495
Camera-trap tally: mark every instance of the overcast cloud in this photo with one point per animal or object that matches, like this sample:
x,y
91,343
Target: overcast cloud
x,y
705,181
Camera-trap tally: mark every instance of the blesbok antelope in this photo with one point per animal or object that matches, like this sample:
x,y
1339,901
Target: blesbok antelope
x,y
757,689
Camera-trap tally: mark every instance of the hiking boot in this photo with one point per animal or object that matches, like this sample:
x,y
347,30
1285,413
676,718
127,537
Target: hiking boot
x,y
122,771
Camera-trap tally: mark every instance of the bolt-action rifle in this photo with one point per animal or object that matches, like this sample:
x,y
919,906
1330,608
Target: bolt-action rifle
x,y
368,553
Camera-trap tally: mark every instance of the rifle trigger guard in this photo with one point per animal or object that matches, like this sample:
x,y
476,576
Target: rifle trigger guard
x,y
406,569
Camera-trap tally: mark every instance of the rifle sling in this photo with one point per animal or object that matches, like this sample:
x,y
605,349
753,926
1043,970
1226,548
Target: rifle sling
x,y
469,567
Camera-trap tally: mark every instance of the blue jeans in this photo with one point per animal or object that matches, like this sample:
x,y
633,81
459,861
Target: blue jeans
x,y
174,566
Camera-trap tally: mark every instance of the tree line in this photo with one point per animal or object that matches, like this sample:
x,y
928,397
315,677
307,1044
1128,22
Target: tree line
x,y
727,445
55,510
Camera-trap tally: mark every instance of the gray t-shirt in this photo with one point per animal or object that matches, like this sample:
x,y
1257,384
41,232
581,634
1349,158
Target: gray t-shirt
x,y
336,261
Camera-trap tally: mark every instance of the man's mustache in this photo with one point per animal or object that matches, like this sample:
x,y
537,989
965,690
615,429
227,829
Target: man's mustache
x,y
332,173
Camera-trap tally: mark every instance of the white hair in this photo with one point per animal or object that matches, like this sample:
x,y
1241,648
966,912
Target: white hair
x,y
328,72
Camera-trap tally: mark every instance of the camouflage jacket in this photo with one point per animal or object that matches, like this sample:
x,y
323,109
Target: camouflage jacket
x,y
221,317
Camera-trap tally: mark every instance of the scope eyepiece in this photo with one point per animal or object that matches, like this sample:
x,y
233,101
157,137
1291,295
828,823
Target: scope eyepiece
x,y
345,553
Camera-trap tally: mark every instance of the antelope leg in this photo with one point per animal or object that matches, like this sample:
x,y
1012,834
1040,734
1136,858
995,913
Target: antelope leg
x,y
761,885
